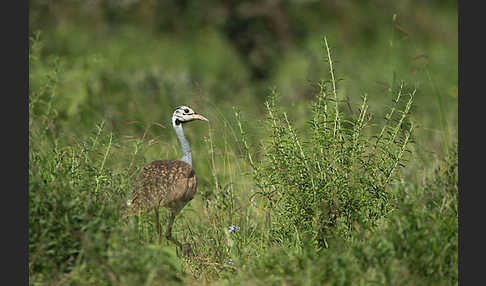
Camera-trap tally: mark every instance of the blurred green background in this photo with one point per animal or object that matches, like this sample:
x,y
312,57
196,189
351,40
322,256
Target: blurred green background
x,y
127,61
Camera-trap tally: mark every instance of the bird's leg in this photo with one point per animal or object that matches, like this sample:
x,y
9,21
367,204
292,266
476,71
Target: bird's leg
x,y
186,247
157,223
168,234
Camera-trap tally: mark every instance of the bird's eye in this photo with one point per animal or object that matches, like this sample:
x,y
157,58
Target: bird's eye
x,y
186,110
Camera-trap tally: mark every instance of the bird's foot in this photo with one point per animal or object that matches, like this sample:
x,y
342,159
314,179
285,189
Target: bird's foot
x,y
186,247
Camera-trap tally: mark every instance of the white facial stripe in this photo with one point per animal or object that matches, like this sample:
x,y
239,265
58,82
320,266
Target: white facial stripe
x,y
183,114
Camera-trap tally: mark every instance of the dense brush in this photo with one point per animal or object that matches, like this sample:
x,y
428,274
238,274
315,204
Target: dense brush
x,y
336,172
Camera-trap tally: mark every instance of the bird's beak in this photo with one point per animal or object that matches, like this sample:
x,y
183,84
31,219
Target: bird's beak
x,y
199,117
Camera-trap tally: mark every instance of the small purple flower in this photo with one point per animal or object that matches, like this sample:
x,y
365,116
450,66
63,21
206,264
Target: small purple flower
x,y
230,261
233,228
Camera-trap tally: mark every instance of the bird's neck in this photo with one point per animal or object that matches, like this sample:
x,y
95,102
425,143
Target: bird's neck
x,y
186,149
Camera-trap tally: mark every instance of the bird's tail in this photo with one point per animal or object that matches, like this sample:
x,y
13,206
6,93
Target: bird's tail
x,y
130,208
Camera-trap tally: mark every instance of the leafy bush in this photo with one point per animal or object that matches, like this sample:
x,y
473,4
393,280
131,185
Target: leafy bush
x,y
336,174
416,244
424,229
124,261
70,197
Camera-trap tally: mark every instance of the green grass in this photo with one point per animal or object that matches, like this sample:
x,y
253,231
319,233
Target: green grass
x,y
330,182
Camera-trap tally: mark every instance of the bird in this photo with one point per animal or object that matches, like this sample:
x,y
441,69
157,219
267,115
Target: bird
x,y
167,183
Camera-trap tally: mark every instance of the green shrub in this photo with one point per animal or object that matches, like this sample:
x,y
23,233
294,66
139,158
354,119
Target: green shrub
x,y
424,229
69,196
416,244
122,260
335,174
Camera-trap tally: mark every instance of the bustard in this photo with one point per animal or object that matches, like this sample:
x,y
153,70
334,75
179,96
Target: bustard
x,y
169,183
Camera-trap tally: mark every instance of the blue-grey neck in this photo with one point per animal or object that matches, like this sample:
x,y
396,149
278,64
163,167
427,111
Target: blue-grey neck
x,y
186,149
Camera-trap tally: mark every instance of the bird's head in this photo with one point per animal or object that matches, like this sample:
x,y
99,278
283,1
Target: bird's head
x,y
184,114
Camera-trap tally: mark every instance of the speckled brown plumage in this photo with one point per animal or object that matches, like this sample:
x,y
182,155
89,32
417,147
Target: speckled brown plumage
x,y
169,183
